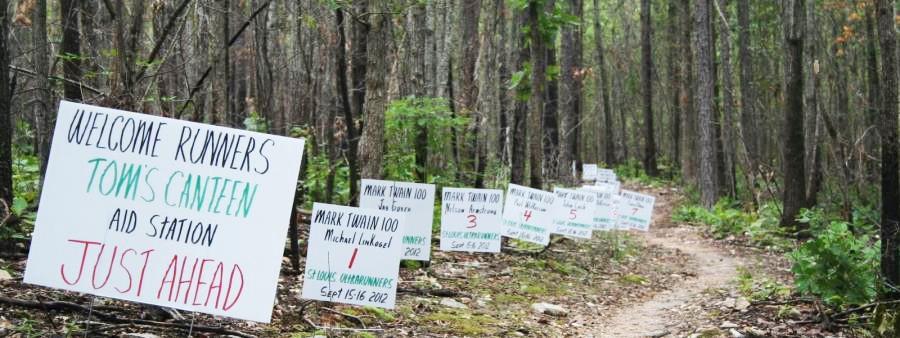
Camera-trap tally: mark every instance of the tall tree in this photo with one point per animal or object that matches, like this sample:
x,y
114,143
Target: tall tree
x,y
749,119
609,150
6,130
371,144
873,86
536,100
520,134
419,86
794,194
704,98
728,144
469,13
344,95
570,98
890,169
647,89
43,112
675,76
71,50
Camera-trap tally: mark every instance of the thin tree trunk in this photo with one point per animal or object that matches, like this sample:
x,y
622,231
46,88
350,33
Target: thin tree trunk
x,y
43,107
704,96
749,120
536,102
675,76
872,97
794,194
71,49
647,90
571,94
890,182
468,87
343,93
728,142
520,137
419,87
609,151
6,130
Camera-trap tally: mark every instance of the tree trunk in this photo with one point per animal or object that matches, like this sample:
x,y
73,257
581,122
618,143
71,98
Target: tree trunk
x,y
570,98
6,130
794,194
536,101
872,97
358,52
520,137
43,106
468,87
691,159
371,147
728,143
343,93
675,76
890,182
550,119
419,87
704,96
647,90
749,120
71,49
609,152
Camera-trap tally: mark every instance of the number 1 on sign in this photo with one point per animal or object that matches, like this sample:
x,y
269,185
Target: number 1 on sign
x,y
527,215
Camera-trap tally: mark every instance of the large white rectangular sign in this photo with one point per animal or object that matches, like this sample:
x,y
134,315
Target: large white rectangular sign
x,y
607,202
416,200
353,255
165,212
471,219
573,212
635,210
527,214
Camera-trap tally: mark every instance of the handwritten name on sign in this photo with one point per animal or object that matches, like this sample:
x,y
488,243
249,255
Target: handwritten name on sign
x,y
471,219
607,201
634,211
606,175
527,214
416,200
353,255
165,212
589,172
573,212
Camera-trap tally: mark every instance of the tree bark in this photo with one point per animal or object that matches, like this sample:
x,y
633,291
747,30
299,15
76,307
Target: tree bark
x,y
536,101
6,130
468,88
647,90
419,87
794,194
520,137
728,143
570,98
371,147
675,76
71,49
890,182
343,93
704,97
43,107
609,152
873,84
749,120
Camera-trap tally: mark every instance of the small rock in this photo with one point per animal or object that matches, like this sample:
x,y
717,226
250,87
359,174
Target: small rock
x,y
736,333
450,302
728,303
4,275
741,304
752,331
728,325
550,309
795,314
139,335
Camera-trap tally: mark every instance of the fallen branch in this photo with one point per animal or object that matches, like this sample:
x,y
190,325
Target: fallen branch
x,y
108,317
347,315
863,308
782,302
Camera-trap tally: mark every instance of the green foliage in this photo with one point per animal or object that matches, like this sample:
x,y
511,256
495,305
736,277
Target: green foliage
x,y
726,219
837,265
256,122
633,170
403,120
316,179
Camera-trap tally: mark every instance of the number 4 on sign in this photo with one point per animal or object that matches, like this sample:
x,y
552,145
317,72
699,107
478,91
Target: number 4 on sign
x,y
527,215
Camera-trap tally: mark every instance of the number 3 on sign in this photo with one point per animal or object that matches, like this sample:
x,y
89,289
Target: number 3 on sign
x,y
472,219
527,215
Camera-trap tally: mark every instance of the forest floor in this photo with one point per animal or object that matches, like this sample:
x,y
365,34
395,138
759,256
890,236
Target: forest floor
x,y
673,281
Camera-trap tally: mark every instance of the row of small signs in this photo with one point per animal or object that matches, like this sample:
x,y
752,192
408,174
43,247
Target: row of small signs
x,y
194,217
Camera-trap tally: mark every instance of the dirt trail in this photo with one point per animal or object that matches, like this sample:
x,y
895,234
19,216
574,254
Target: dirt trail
x,y
714,268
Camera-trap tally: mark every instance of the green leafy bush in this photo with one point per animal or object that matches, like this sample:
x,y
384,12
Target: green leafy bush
x,y
726,218
837,265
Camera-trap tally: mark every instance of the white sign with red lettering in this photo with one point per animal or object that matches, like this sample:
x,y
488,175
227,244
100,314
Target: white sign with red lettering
x,y
527,214
353,255
634,210
573,212
471,219
165,212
